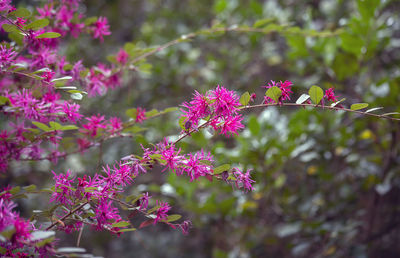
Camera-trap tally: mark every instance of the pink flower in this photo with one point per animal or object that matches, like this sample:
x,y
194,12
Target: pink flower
x,y
92,127
171,157
71,111
5,5
330,95
140,115
144,201
230,126
194,167
7,55
122,56
63,188
285,87
106,214
101,28
224,102
243,179
114,125
162,211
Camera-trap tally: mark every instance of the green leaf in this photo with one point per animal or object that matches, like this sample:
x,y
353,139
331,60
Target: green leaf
x,y
303,98
358,106
222,168
316,94
173,217
42,126
90,20
30,188
9,27
69,127
55,126
245,98
90,189
17,36
170,109
48,35
274,93
262,22
127,229
21,12
132,198
182,122
132,113
38,24
4,101
152,112
15,190
121,224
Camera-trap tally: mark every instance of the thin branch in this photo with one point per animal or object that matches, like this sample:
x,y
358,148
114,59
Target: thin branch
x,y
67,215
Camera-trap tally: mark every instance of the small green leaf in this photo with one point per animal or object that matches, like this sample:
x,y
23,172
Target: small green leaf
x,y
21,12
55,126
48,35
170,109
30,188
121,224
182,122
152,112
42,126
90,20
38,24
274,93
316,94
127,229
222,168
173,217
245,98
358,106
4,101
262,22
17,36
15,190
90,189
303,98
132,113
9,27
69,127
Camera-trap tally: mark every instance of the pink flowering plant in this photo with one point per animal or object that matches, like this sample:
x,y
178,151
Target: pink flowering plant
x,y
39,90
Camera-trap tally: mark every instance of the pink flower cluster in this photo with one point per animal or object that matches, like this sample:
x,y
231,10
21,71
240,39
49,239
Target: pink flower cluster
x,y
11,221
219,107
285,87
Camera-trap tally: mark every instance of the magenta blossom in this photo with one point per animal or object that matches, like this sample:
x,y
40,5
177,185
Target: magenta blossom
x,y
162,211
330,95
285,88
101,28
